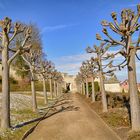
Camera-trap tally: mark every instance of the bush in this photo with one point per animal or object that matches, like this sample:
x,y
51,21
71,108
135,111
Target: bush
x,y
13,81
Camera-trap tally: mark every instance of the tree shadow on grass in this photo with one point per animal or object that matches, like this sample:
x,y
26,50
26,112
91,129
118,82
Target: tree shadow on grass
x,y
61,104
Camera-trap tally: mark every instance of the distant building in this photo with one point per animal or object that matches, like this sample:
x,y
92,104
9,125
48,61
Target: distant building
x,y
125,86
69,79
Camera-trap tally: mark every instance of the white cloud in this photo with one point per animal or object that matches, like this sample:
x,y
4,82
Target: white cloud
x,y
77,57
56,27
71,64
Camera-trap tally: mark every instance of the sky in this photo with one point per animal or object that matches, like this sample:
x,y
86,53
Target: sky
x,y
67,27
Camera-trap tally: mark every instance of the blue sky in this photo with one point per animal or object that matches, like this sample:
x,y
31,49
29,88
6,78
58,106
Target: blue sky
x,y
67,26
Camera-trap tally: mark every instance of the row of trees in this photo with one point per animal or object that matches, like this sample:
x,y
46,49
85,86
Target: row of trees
x,y
21,44
103,63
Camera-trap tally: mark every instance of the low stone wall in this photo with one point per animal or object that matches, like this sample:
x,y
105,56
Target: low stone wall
x,y
113,87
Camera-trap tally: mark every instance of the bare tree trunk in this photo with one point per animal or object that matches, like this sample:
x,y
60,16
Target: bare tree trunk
x,y
104,100
51,88
33,93
81,88
78,88
87,91
54,83
134,99
93,91
5,116
61,90
84,92
45,92
57,89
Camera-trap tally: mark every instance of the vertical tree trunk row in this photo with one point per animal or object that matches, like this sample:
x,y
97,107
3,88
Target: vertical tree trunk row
x,y
51,92
45,92
87,90
93,92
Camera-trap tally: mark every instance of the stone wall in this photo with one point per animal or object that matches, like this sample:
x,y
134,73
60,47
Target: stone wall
x,y
70,79
113,87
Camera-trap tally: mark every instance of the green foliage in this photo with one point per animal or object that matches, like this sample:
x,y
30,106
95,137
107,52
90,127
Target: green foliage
x,y
13,81
96,87
18,65
21,116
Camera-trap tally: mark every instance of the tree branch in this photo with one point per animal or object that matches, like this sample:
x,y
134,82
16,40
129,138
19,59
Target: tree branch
x,y
137,57
12,57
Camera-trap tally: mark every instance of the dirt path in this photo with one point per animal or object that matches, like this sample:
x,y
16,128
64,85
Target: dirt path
x,y
79,122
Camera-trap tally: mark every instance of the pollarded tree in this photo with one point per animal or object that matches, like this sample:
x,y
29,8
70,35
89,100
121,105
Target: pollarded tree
x,y
9,51
91,70
102,55
59,80
50,80
80,81
32,58
43,69
84,72
126,29
55,76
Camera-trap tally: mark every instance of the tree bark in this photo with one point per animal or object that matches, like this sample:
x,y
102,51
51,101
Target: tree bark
x,y
102,87
54,88
104,100
34,102
45,92
61,89
51,92
81,88
57,91
93,91
87,90
84,89
5,116
133,90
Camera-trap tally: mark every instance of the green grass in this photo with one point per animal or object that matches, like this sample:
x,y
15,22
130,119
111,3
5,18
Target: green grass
x,y
21,116
15,134
18,116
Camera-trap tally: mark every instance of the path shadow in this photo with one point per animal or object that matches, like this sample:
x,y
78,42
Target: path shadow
x,y
65,102
60,105
38,120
